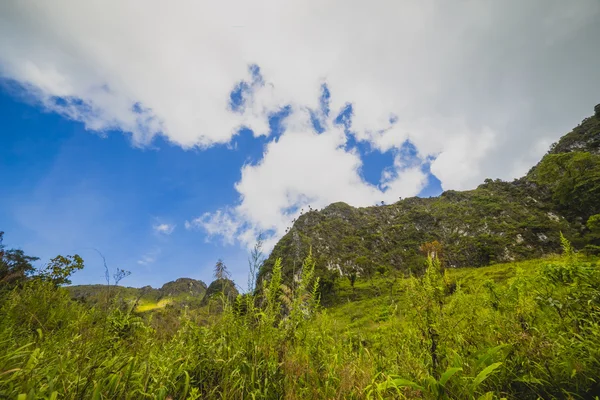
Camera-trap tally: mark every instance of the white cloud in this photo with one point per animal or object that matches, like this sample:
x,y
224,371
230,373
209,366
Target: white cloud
x,y
164,229
457,165
219,223
481,85
427,62
146,259
299,169
149,258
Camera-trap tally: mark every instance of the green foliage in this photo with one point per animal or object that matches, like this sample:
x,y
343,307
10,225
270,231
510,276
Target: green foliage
x,y
183,286
220,288
593,223
497,222
567,249
440,389
592,237
574,181
583,138
60,268
15,266
517,331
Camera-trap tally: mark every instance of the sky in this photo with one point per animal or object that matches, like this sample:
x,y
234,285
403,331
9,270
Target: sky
x,y
166,136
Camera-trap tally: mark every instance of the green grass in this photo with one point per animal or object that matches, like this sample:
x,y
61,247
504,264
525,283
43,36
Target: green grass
x,y
371,303
523,330
473,277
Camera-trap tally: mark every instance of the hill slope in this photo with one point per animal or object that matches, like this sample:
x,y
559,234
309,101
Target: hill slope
x,y
146,298
496,222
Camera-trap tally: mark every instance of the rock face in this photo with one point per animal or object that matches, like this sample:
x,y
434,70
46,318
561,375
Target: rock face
x,y
180,286
496,222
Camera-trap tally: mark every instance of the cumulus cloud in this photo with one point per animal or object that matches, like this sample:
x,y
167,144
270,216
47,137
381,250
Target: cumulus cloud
x,y
479,88
222,223
305,168
164,229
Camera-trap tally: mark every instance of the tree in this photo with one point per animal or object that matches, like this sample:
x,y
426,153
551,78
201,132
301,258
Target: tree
x,y
15,266
432,250
221,274
120,274
365,266
60,268
221,271
593,237
574,180
593,223
351,272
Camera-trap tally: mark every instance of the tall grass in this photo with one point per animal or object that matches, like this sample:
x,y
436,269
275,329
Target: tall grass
x,y
533,333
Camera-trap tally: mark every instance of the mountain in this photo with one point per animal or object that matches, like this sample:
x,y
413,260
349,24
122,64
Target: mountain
x,y
184,286
496,222
98,293
570,172
224,285
180,290
584,138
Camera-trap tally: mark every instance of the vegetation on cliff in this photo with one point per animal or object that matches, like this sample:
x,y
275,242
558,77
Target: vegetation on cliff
x,y
496,222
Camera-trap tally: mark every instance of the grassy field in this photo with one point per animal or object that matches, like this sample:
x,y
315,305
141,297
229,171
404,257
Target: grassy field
x,y
523,330
371,303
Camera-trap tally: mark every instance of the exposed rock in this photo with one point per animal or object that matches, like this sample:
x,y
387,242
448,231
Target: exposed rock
x,y
553,217
520,238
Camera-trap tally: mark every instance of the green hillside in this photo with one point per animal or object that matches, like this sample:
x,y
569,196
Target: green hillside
x,y
496,222
222,286
178,293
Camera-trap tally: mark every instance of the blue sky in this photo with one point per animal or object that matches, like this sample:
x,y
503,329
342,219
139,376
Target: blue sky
x,y
68,190
167,140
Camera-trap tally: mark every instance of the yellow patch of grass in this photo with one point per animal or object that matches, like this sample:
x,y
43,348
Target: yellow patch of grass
x,y
149,306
